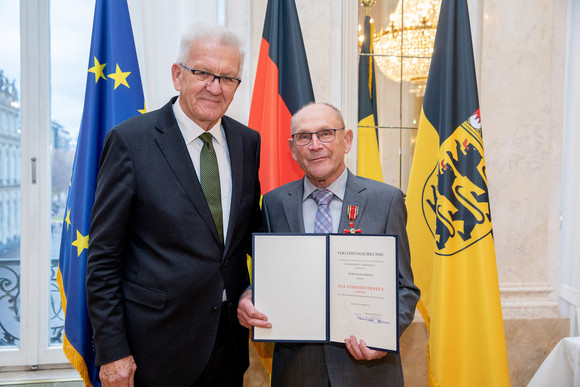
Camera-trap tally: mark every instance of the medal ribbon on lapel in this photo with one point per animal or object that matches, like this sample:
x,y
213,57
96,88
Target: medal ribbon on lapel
x,y
352,212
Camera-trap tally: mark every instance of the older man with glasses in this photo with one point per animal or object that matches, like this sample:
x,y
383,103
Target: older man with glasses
x,y
176,203
330,199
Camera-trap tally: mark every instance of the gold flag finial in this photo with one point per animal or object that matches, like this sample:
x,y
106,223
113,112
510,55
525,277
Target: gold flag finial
x,y
368,4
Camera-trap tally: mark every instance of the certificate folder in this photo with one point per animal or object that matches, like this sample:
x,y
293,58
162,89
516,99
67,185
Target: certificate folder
x,y
327,287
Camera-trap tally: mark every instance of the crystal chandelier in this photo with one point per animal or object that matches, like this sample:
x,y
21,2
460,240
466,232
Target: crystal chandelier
x,y
410,35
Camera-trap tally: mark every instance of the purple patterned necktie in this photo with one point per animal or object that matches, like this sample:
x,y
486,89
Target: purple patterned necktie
x,y
323,219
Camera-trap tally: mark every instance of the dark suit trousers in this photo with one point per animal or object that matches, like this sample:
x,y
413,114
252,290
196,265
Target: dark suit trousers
x,y
299,365
222,368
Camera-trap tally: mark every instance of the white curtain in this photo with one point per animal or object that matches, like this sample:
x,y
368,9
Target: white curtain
x,y
157,26
570,235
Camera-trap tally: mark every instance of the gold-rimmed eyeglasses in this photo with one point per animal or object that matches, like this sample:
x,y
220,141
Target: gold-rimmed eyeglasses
x,y
206,76
324,135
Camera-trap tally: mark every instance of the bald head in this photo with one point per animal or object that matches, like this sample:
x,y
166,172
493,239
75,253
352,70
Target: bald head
x,y
333,111
322,158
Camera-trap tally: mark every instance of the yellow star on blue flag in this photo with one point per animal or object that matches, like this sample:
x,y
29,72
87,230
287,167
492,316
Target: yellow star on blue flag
x,y
120,77
98,70
144,110
81,243
67,218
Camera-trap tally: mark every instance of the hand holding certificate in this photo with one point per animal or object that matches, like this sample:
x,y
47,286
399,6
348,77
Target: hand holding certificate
x,y
320,288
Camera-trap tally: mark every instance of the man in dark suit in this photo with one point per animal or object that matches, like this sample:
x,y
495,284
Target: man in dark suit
x,y
167,252
319,143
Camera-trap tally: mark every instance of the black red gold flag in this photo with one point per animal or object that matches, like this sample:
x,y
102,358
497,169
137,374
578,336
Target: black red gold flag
x,y
282,86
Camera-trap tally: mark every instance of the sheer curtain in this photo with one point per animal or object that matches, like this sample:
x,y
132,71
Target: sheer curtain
x,y
157,27
570,229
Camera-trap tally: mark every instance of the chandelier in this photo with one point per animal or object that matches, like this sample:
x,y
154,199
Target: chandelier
x,y
409,36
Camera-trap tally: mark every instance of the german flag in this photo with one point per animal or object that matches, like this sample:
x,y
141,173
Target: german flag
x,y
368,161
449,223
282,86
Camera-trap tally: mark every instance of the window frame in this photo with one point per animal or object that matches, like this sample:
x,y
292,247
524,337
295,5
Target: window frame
x,y
35,351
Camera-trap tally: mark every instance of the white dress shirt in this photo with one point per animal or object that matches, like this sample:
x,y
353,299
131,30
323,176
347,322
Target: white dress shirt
x,y
191,132
309,206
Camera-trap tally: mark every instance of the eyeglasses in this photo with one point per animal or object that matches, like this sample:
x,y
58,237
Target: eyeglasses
x,y
324,135
206,76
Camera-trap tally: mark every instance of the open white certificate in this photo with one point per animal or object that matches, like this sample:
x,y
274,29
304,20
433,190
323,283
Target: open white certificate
x,y
322,288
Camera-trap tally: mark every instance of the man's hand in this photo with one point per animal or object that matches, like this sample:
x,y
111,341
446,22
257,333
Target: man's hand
x,y
360,351
248,315
119,373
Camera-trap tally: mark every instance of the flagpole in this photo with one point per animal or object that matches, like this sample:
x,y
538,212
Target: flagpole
x,y
368,4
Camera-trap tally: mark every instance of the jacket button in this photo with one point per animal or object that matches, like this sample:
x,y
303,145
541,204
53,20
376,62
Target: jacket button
x,y
215,310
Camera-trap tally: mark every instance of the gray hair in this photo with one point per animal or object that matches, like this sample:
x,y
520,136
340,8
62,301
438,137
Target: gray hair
x,y
211,32
334,108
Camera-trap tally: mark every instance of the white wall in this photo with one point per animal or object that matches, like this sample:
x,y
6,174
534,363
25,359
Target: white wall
x,y
520,51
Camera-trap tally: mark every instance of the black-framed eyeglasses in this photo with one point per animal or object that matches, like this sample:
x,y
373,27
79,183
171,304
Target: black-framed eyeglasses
x,y
324,135
206,76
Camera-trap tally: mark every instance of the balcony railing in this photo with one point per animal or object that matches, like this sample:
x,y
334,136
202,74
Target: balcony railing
x,y
10,316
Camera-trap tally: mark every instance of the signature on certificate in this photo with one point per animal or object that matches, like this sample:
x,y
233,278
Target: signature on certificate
x,y
371,318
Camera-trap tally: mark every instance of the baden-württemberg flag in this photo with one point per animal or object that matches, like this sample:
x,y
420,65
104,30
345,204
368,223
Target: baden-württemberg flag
x,y
113,94
368,161
449,223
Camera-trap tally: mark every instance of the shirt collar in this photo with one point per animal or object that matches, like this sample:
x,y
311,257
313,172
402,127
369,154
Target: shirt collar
x,y
190,130
338,187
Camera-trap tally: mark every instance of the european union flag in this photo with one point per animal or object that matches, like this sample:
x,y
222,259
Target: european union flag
x,y
113,94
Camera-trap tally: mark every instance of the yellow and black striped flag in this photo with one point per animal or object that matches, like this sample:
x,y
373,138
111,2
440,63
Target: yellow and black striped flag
x,y
368,161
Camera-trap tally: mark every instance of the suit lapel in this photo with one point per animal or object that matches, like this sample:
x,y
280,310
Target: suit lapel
x,y
293,206
170,141
354,195
235,148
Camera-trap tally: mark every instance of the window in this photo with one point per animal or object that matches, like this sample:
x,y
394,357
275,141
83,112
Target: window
x,y
10,189
36,152
70,31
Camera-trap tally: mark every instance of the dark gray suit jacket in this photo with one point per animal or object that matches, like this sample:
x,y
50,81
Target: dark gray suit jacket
x,y
156,269
381,211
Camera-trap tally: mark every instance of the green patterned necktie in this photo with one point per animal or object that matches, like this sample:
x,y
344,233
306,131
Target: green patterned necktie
x,y
210,182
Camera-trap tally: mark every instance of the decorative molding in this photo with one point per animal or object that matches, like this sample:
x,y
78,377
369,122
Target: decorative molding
x,y
528,301
523,301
